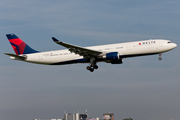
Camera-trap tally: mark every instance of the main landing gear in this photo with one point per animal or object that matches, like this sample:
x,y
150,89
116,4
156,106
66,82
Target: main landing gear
x,y
160,58
93,65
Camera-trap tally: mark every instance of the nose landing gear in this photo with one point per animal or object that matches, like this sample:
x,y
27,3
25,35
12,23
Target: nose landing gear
x,y
160,58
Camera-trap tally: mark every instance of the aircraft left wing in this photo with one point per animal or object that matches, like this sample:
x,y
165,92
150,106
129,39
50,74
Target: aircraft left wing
x,y
78,50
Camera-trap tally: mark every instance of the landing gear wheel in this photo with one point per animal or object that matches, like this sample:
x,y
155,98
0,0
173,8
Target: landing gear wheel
x,y
91,69
92,64
88,67
95,67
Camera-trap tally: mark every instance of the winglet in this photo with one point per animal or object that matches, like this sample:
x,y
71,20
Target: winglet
x,y
55,40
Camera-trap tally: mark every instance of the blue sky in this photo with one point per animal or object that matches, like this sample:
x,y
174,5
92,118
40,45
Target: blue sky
x,y
142,88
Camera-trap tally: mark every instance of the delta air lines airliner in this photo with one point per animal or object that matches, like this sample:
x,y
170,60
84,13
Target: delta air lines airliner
x,y
111,53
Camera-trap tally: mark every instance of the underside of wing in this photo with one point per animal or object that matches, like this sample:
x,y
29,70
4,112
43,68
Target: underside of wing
x,y
86,53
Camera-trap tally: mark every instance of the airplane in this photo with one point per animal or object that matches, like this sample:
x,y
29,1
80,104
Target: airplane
x,y
111,53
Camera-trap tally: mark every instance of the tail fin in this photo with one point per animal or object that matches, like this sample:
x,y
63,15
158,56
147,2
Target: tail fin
x,y
19,46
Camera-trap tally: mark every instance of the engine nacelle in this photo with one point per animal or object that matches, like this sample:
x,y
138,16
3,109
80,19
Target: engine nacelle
x,y
113,58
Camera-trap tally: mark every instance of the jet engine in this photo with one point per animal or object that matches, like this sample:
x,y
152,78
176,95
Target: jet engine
x,y
113,58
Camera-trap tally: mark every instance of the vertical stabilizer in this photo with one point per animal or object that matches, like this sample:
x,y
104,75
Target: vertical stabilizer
x,y
19,46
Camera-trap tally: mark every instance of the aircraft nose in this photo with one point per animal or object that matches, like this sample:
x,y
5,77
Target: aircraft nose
x,y
175,45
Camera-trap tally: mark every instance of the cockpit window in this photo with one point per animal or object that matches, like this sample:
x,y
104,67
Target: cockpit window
x,y
169,42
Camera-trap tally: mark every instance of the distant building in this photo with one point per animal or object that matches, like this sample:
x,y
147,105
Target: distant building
x,y
93,118
108,116
76,116
83,116
69,117
47,119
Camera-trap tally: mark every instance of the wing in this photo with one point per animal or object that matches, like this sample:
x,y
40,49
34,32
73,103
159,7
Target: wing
x,y
16,56
86,53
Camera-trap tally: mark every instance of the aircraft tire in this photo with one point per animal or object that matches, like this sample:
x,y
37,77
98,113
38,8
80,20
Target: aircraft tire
x,y
95,67
160,58
92,70
88,67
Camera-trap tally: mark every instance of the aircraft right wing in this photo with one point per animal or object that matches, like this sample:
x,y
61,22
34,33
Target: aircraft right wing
x,y
79,50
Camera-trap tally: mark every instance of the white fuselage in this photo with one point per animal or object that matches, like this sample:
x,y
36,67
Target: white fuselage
x,y
129,49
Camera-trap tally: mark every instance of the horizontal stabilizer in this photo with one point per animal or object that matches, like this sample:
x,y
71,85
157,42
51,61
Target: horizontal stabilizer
x,y
16,56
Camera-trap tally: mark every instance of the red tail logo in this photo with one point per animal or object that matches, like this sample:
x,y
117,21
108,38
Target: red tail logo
x,y
19,46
